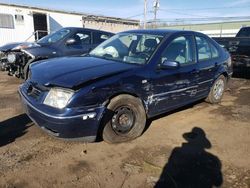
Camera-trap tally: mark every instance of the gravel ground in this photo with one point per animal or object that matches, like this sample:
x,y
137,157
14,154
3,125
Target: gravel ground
x,y
201,145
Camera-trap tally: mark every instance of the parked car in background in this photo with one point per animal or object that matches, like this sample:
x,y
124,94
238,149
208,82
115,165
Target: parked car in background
x,y
239,48
5,49
70,41
132,76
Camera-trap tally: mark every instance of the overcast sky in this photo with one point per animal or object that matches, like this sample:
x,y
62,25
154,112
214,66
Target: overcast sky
x,y
169,9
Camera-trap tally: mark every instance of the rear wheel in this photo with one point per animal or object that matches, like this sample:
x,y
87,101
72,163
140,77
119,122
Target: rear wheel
x,y
124,120
217,90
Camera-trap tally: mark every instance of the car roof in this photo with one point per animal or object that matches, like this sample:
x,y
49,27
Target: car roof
x,y
162,32
86,29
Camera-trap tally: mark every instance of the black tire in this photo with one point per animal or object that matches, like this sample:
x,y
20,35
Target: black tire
x,y
130,108
212,94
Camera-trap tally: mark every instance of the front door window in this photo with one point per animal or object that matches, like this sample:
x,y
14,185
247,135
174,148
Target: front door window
x,y
180,50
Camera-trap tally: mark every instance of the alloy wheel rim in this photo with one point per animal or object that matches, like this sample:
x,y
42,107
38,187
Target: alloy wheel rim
x,y
218,89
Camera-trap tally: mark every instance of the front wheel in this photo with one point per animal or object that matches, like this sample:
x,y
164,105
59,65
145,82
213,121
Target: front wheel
x,y
125,119
217,90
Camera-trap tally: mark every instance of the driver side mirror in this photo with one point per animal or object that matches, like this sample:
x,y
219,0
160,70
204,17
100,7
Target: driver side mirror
x,y
70,41
169,64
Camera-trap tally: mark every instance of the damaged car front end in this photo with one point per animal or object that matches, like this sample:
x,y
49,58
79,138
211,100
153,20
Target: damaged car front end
x,y
18,62
4,51
14,58
59,103
70,123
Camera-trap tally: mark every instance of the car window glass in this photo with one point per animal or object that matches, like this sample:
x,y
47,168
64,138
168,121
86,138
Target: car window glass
x,y
129,48
81,38
54,37
180,50
214,51
204,51
142,48
147,43
99,37
126,41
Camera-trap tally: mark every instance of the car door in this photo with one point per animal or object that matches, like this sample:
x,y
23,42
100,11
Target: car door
x,y
81,43
175,87
99,37
208,57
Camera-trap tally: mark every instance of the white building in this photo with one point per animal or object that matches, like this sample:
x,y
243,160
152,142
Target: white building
x,y
25,23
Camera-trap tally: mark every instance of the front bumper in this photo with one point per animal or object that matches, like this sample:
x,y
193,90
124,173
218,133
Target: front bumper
x,y
74,127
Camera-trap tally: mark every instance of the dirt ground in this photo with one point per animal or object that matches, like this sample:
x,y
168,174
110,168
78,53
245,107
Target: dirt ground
x,y
201,145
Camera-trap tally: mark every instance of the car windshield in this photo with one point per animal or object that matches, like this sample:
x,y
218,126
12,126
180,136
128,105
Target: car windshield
x,y
54,37
128,48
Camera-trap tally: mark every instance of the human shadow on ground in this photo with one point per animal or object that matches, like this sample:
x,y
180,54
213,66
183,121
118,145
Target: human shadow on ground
x,y
13,128
191,166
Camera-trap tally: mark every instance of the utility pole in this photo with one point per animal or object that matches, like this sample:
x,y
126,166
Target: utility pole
x,y
156,6
145,14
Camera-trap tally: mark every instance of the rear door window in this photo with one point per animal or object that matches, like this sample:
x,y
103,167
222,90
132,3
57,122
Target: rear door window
x,y
204,50
214,51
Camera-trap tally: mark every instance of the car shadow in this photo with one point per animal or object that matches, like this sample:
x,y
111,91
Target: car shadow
x,y
150,120
13,128
109,114
191,165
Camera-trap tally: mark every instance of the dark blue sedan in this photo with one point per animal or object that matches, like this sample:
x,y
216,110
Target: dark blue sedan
x,y
132,76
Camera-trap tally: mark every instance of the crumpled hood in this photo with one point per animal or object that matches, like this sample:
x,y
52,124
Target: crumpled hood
x,y
9,46
70,72
18,45
42,51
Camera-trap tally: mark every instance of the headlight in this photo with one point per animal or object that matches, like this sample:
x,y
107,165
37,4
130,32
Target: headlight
x,y
58,98
11,58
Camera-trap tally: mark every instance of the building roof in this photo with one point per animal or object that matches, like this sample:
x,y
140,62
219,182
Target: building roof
x,y
85,15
